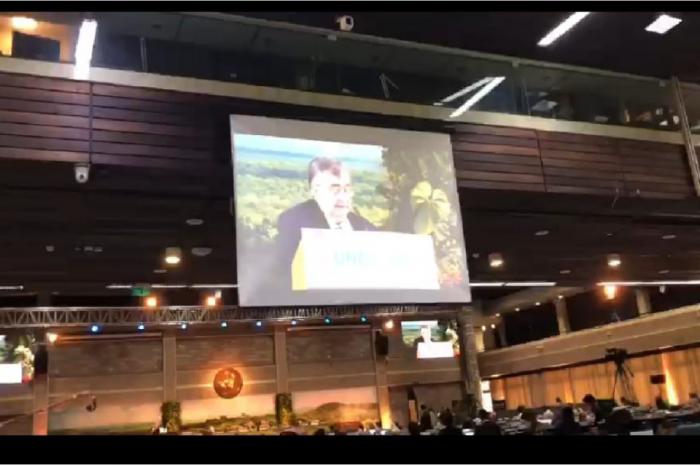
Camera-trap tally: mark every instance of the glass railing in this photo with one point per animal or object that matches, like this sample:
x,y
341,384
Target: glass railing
x,y
224,47
691,98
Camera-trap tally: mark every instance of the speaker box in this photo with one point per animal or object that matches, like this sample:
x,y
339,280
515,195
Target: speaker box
x,y
381,344
41,361
658,379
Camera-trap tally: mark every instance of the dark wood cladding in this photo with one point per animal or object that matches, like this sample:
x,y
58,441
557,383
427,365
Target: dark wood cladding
x,y
45,119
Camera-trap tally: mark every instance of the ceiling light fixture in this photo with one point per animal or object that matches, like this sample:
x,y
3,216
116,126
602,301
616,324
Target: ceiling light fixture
x,y
160,271
614,260
119,286
193,222
151,302
168,286
83,49
483,328
651,283
562,28
565,271
668,237
530,284
610,291
517,309
52,337
201,251
495,260
541,233
537,303
663,24
480,94
663,271
211,300
493,326
173,255
11,287
560,297
389,324
23,23
214,286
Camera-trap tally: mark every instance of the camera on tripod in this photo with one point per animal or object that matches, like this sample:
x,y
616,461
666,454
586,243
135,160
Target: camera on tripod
x,y
619,356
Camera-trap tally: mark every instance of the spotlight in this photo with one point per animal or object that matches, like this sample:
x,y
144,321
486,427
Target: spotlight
x,y
517,309
151,302
495,260
614,261
141,327
363,319
211,300
173,255
258,324
183,326
389,324
224,324
493,326
94,328
294,322
483,328
537,303
610,291
52,337
327,320
560,297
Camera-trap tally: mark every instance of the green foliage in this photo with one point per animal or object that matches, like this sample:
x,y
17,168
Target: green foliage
x,y
171,412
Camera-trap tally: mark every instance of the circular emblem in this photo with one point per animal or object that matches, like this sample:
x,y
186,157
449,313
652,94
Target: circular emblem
x,y
228,383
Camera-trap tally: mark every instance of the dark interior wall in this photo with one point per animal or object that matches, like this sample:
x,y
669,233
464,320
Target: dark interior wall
x,y
673,297
537,322
593,309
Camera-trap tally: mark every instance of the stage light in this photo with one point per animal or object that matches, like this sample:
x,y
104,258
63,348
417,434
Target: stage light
x,y
224,324
495,260
183,326
258,324
389,324
83,49
483,328
173,255
614,260
610,291
52,337
151,301
294,322
562,28
218,294
517,309
537,303
211,300
327,320
363,319
493,326
663,24
141,327
94,329
23,23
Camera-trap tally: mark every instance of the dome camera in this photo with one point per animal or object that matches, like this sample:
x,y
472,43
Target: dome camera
x,y
82,173
345,22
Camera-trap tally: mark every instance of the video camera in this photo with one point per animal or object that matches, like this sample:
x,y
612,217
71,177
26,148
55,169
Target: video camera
x,y
616,355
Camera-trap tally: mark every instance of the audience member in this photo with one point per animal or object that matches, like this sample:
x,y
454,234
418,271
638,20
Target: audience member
x,y
426,423
666,428
694,401
592,409
531,418
487,426
567,424
447,421
619,422
320,432
413,429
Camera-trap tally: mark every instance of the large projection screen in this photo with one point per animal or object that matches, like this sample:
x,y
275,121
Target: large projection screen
x,y
331,214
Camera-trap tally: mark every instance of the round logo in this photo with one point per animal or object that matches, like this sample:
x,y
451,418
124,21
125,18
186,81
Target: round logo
x,y
228,383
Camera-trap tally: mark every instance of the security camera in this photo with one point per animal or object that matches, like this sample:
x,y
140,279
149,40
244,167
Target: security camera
x,y
345,22
82,173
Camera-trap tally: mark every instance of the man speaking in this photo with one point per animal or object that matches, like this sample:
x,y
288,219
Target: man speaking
x,y
330,186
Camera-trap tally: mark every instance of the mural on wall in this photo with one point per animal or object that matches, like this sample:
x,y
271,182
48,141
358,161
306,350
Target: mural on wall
x,y
333,406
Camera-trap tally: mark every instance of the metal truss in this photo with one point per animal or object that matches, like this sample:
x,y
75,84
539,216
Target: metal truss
x,y
42,317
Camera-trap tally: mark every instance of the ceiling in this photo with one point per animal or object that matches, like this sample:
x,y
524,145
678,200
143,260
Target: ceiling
x,y
606,40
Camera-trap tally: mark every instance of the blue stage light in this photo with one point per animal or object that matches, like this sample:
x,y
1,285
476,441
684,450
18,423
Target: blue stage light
x,y
141,327
94,328
258,324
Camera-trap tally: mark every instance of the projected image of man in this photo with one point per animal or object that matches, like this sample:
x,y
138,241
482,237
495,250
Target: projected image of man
x,y
330,207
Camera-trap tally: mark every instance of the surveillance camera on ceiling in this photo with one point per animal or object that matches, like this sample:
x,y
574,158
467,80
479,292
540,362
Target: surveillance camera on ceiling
x,y
82,173
345,22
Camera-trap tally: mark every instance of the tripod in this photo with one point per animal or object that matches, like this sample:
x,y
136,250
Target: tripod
x,y
623,374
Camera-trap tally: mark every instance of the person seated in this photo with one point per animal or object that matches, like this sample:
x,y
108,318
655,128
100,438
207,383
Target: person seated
x,y
567,425
520,410
414,429
694,401
426,423
619,422
660,403
592,410
447,421
320,432
534,426
666,428
487,426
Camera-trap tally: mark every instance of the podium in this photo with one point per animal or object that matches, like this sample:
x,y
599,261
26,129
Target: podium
x,y
357,260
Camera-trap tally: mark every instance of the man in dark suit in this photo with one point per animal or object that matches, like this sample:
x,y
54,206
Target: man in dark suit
x,y
330,185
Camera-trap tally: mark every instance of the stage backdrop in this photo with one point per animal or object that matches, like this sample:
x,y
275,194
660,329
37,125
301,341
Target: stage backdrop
x,y
338,214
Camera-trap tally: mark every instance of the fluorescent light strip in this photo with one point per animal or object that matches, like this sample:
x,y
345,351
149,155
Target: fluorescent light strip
x,y
530,284
119,286
486,284
562,28
83,49
469,88
478,96
11,287
214,286
663,24
637,283
168,286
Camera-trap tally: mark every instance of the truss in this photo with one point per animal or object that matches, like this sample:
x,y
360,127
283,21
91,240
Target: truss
x,y
83,316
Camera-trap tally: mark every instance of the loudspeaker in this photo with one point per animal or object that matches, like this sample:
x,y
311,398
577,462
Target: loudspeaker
x,y
381,344
41,361
658,379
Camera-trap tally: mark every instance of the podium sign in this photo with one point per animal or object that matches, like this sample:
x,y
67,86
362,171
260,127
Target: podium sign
x,y
339,259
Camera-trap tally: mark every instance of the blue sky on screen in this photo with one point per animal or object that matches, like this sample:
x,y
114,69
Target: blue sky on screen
x,y
363,154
